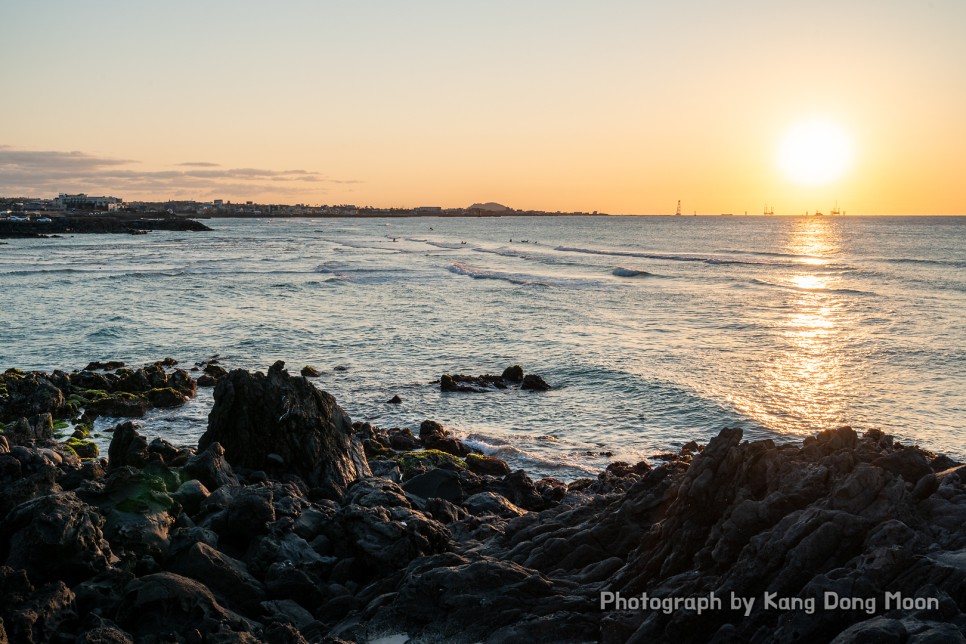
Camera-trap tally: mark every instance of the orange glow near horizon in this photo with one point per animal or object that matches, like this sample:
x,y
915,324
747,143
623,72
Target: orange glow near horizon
x,y
537,106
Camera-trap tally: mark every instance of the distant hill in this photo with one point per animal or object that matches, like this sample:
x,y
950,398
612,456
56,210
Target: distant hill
x,y
490,205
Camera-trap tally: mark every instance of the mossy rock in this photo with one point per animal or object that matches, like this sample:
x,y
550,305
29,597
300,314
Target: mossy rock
x,y
77,400
483,464
413,463
92,395
119,405
3,427
310,372
165,397
60,424
83,448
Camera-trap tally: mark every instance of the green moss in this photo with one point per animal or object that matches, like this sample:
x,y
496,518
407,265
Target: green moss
x,y
60,424
90,395
83,448
413,463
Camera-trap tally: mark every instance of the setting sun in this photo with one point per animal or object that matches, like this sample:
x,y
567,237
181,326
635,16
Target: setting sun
x,y
815,153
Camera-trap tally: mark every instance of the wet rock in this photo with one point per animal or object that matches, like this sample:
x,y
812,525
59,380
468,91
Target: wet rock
x,y
27,431
422,461
165,397
118,405
513,373
255,415
205,380
489,465
434,437
308,371
470,384
24,395
89,380
110,365
395,400
402,439
533,382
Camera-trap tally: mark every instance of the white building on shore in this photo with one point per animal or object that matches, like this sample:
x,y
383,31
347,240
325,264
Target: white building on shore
x,y
83,202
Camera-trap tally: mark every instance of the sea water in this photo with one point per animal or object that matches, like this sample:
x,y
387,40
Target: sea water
x,y
653,331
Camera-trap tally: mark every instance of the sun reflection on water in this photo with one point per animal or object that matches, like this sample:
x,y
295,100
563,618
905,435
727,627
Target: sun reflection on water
x,y
803,377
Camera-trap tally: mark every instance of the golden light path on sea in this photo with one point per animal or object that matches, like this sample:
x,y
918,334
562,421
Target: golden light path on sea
x,y
802,378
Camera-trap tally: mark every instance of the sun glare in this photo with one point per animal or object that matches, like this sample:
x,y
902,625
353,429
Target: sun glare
x,y
815,153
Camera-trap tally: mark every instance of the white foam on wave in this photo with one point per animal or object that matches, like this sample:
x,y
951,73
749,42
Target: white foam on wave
x,y
515,456
669,257
447,245
523,279
514,278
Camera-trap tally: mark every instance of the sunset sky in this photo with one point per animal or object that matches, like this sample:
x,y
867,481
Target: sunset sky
x,y
621,107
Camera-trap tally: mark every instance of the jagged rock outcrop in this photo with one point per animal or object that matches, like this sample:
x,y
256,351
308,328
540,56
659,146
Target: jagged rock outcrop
x,y
166,544
258,418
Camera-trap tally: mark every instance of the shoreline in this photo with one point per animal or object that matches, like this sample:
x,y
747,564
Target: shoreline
x,y
96,224
290,523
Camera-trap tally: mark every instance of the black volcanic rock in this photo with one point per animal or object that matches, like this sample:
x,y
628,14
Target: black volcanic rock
x,y
166,602
23,395
98,224
143,552
127,447
513,373
255,415
55,537
533,382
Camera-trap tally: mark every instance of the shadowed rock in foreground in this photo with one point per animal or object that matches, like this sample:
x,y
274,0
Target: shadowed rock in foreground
x,y
283,423
276,531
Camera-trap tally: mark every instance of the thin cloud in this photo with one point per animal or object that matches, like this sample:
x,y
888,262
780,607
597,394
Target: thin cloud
x,y
44,173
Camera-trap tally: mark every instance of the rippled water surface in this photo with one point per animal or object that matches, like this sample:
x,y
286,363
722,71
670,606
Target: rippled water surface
x,y
653,330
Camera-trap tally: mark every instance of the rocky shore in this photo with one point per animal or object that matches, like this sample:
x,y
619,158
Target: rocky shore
x,y
289,523
96,224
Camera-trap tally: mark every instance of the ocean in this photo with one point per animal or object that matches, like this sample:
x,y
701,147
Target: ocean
x,y
653,331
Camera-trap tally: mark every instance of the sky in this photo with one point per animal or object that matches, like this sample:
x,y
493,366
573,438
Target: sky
x,y
618,107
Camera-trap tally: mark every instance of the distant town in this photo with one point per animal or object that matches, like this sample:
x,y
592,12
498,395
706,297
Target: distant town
x,y
31,209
